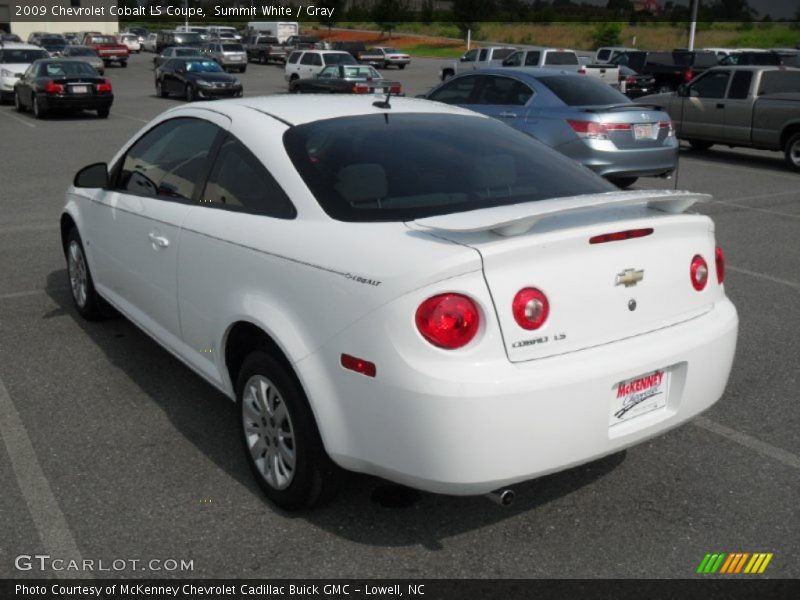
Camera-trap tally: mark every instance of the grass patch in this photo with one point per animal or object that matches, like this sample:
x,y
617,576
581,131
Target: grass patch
x,y
436,50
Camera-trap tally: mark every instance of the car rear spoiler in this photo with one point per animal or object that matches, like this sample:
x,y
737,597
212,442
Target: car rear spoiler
x,y
516,219
631,106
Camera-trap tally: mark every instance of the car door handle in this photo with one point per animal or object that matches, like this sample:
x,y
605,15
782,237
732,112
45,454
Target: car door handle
x,y
508,115
720,105
159,241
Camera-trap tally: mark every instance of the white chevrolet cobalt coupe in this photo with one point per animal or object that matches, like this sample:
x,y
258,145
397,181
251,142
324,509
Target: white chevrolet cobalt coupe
x,y
403,288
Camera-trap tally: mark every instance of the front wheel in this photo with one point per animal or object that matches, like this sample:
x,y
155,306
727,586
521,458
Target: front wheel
x,y
84,296
103,112
623,182
280,437
447,74
243,69
189,93
792,152
18,103
665,88
263,59
123,64
401,67
160,91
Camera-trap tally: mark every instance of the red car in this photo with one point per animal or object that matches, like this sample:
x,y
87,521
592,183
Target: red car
x,y
108,48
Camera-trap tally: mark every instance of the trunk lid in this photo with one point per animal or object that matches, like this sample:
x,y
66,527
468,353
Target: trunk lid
x,y
589,303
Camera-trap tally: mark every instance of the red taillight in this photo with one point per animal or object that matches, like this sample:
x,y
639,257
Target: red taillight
x,y
396,89
360,88
51,87
668,126
719,259
448,320
582,70
630,80
698,272
688,75
618,236
104,87
359,365
530,308
596,131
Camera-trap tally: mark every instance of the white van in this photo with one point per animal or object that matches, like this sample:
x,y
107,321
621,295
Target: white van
x,y
279,29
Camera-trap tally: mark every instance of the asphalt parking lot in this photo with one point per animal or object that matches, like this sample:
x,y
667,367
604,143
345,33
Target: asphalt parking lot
x,y
114,450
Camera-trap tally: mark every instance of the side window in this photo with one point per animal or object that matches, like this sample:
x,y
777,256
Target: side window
x,y
483,54
711,85
740,85
239,181
515,60
317,60
470,56
532,59
503,90
308,59
167,161
778,82
457,91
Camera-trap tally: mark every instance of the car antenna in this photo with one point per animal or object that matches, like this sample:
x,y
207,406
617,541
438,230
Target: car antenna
x,y
385,102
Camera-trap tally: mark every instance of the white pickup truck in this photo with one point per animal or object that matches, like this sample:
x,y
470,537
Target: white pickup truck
x,y
564,60
477,58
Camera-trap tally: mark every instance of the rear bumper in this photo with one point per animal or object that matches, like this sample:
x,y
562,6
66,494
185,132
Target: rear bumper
x,y
209,92
605,159
479,427
49,102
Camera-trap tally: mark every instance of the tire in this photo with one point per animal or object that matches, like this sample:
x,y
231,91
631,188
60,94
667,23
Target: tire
x,y
88,304
623,182
700,145
103,113
18,103
4,98
401,67
38,111
279,435
160,91
124,64
665,88
263,59
189,93
294,77
792,152
447,74
243,69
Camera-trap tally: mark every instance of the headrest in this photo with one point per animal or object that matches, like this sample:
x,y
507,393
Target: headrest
x,y
360,182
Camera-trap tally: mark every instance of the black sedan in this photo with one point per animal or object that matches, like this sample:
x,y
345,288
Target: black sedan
x,y
345,79
195,78
634,85
62,84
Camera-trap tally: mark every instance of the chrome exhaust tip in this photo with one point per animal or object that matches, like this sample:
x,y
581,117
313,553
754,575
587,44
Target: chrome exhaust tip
x,y
502,497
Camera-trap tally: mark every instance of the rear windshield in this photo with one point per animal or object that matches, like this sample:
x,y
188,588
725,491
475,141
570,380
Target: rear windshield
x,y
21,56
102,39
82,52
66,69
188,38
400,167
232,48
561,58
779,82
339,59
578,90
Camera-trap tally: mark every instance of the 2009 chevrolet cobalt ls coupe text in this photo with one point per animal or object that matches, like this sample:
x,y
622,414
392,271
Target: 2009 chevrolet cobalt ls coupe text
x,y
410,290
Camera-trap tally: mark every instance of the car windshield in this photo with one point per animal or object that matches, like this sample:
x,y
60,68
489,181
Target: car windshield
x,y
12,56
391,50
561,58
66,69
339,59
202,66
400,167
232,48
186,51
103,39
360,72
52,40
577,90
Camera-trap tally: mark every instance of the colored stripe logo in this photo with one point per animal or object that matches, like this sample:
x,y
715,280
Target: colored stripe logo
x,y
734,563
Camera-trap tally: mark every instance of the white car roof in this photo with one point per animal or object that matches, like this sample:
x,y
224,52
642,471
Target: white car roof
x,y
298,110
20,46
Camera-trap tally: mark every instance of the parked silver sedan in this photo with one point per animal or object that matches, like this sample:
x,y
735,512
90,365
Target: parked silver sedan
x,y
229,55
86,54
577,115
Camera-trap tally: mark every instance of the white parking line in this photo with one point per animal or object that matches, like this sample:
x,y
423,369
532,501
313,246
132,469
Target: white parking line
x,y
779,454
751,170
27,293
54,532
17,119
757,209
50,225
791,284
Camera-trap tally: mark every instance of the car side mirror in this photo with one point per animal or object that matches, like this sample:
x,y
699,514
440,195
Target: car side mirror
x,y
19,75
92,176
683,90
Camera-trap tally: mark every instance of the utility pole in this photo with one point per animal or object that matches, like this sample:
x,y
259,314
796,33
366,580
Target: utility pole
x,y
693,24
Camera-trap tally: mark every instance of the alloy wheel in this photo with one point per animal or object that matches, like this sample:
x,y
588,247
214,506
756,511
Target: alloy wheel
x,y
78,280
269,433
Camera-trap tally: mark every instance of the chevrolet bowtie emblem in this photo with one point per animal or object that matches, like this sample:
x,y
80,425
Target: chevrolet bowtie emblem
x,y
629,277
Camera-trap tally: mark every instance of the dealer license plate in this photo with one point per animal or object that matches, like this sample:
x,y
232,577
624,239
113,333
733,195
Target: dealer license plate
x,y
80,89
639,396
645,131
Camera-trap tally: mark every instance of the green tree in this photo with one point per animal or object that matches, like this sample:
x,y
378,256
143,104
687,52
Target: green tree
x,y
387,14
338,9
607,34
468,14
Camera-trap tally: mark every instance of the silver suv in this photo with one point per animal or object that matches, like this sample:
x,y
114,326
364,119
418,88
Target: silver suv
x,y
230,55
